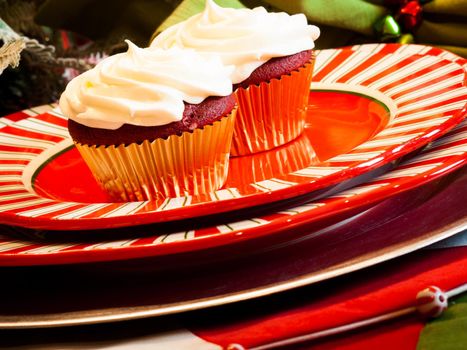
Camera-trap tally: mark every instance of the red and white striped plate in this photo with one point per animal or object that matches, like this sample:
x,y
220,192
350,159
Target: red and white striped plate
x,y
424,96
439,158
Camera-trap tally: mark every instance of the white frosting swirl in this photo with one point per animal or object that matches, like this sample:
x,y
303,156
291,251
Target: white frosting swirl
x,y
144,87
245,38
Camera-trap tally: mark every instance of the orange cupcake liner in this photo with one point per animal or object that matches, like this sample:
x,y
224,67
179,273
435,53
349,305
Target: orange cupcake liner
x,y
275,163
192,163
272,113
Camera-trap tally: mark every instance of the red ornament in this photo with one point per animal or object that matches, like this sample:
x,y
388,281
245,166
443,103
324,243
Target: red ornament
x,y
410,15
431,302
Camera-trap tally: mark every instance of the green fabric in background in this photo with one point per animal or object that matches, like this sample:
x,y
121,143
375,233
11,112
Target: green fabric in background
x,y
354,15
342,22
333,13
453,34
449,331
347,22
189,8
328,14
449,7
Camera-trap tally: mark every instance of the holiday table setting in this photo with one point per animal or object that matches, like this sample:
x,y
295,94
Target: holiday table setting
x,y
353,235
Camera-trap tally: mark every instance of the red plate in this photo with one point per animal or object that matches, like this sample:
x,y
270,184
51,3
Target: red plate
x,y
45,184
441,157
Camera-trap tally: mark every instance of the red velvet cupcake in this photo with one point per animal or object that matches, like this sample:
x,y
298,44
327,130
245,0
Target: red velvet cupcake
x,y
273,59
153,123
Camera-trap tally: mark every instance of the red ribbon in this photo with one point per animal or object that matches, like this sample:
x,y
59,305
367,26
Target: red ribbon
x,y
409,16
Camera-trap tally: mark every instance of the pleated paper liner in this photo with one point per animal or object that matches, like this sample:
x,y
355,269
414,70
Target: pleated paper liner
x,y
272,164
192,163
272,113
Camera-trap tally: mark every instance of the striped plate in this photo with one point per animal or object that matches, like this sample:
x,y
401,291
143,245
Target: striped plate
x,y
369,106
439,158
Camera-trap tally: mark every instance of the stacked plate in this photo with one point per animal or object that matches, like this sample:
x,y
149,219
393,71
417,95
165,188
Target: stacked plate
x,y
383,119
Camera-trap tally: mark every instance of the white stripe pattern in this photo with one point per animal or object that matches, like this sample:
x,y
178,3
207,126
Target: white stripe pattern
x,y
450,56
47,249
125,209
413,126
5,122
301,208
402,72
4,155
13,245
384,142
111,244
272,184
446,109
413,49
173,203
429,89
40,126
12,167
23,204
175,237
350,63
422,79
228,193
47,210
373,48
9,178
55,112
21,141
9,188
351,157
9,197
435,99
79,213
322,58
376,68
412,171
241,225
40,109
29,112
319,171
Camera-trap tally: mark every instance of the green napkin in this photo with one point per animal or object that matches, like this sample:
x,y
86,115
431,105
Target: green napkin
x,y
448,332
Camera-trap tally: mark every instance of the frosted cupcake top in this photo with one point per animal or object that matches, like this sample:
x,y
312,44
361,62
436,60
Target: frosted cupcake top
x,y
144,87
245,38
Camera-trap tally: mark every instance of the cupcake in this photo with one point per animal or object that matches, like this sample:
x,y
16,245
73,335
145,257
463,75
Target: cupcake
x,y
153,123
273,59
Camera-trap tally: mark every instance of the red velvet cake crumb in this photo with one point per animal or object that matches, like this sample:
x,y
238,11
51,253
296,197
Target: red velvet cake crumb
x,y
194,116
275,68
